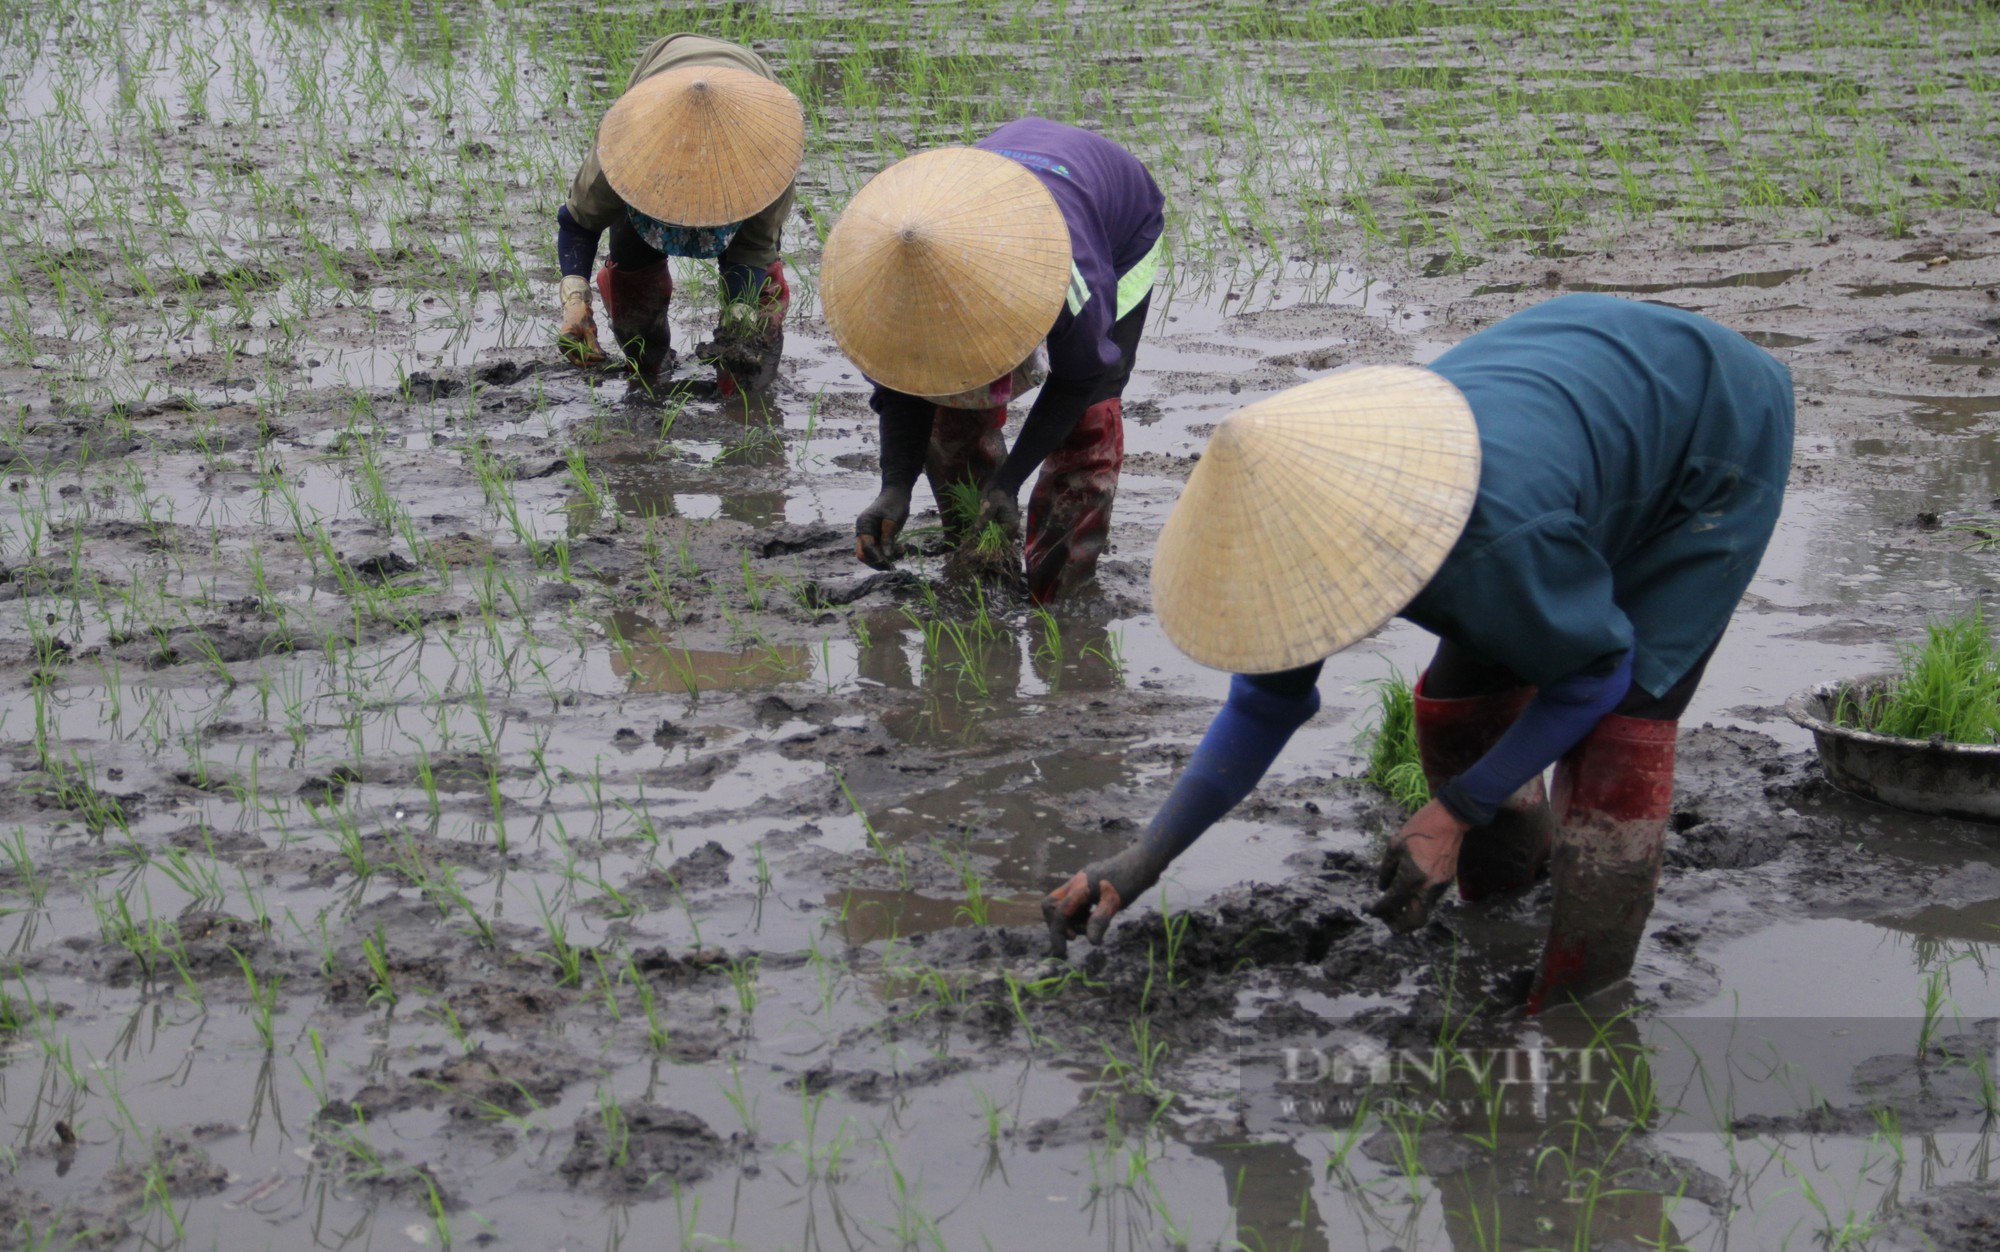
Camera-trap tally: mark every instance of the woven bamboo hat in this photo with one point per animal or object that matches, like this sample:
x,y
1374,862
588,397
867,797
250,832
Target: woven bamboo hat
x,y
702,145
1314,516
945,271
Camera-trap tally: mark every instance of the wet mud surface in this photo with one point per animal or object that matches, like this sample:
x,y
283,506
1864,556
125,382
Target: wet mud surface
x,y
452,797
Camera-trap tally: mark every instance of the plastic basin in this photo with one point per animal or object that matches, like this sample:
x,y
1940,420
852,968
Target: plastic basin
x,y
1920,775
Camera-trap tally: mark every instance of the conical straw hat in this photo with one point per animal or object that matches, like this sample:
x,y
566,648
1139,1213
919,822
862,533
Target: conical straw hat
x,y
1314,516
702,145
945,271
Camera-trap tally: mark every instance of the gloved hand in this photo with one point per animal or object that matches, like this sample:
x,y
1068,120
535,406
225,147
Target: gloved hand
x,y
1087,902
577,337
876,528
996,505
1420,863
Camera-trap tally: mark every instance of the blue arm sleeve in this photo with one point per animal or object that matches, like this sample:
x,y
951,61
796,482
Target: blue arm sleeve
x,y
741,283
576,248
1560,715
1242,741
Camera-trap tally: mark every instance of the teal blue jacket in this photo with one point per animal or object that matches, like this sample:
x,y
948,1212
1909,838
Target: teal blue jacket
x,y
1634,462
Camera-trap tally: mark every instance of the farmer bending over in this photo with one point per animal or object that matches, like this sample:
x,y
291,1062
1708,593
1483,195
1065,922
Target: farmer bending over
x,y
942,280
1573,501
696,159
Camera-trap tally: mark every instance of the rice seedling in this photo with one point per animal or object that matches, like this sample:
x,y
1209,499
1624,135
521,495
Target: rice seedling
x,y
564,955
743,978
381,986
893,857
1947,688
658,1037
330,222
263,999
1389,739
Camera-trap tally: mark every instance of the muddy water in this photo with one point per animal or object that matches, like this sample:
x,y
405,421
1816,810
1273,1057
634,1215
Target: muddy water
x,y
634,869
665,769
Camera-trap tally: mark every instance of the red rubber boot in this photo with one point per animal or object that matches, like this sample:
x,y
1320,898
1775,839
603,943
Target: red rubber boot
x,y
636,302
1511,851
1613,795
1069,513
966,447
758,367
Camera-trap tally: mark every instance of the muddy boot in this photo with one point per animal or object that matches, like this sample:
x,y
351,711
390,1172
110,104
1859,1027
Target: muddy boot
x,y
1614,793
746,349
636,301
1069,514
966,447
1511,851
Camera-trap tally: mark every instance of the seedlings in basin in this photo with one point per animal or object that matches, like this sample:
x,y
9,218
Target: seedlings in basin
x,y
1946,688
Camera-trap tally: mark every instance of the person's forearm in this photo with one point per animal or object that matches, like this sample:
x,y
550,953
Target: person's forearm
x,y
576,248
1559,716
741,284
906,435
1245,737
1056,411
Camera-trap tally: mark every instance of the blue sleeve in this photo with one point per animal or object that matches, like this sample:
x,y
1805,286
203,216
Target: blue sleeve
x,y
742,283
1559,716
1245,737
576,248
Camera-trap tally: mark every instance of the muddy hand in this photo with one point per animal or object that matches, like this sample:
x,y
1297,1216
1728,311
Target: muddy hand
x,y
1088,902
1420,863
996,505
1077,907
577,337
876,528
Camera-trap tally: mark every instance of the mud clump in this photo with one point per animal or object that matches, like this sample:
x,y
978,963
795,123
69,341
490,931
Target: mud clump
x,y
1959,1217
176,1163
1734,808
978,563
1295,922
641,1151
476,1084
1942,1086
705,868
66,1225
1092,1121
872,1084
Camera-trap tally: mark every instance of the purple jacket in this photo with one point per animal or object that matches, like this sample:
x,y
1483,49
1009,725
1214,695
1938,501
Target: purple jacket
x,y
1114,212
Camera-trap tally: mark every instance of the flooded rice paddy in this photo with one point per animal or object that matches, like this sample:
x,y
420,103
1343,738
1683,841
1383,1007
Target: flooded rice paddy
x,y
448,798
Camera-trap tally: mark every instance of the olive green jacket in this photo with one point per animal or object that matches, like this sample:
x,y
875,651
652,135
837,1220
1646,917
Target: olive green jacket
x,y
595,206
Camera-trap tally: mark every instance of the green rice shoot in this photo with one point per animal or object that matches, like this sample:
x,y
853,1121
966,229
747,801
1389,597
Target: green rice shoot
x,y
960,505
1948,688
992,541
1390,740
983,546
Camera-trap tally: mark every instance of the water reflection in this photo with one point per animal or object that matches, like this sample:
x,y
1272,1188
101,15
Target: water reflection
x,y
730,482
1528,1139
973,667
1271,1190
866,915
649,660
1761,278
